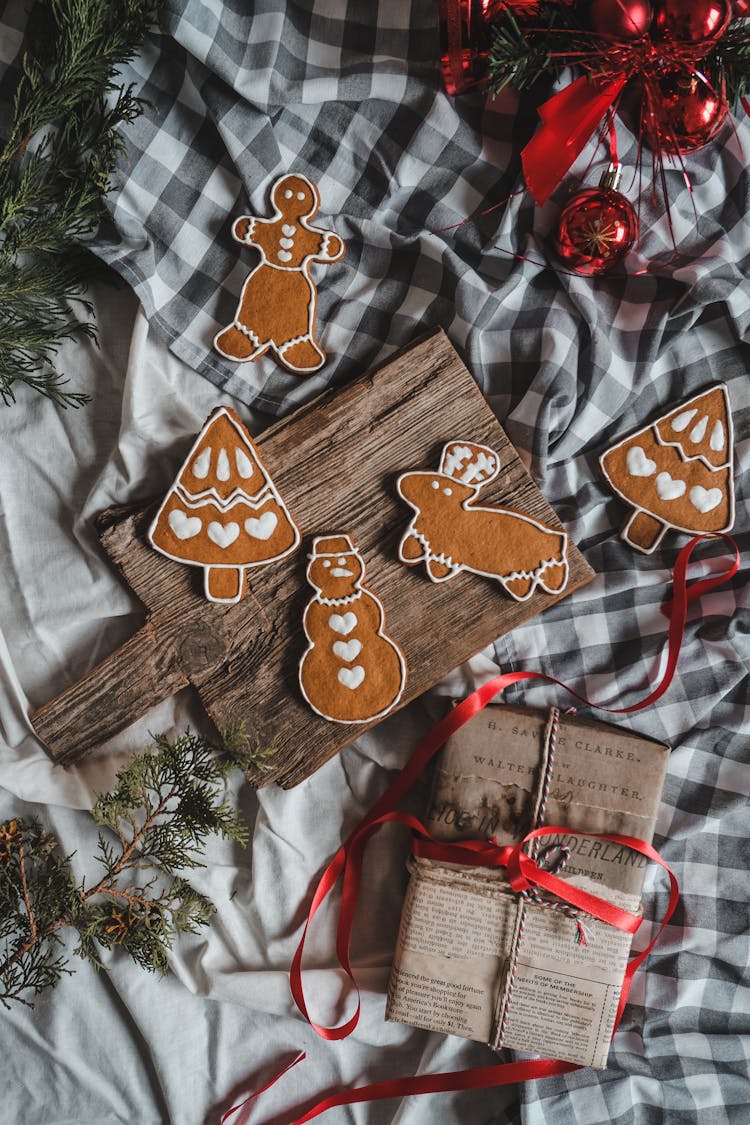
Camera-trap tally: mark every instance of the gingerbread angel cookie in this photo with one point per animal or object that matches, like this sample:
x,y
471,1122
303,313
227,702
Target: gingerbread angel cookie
x,y
278,301
224,513
676,473
450,533
351,671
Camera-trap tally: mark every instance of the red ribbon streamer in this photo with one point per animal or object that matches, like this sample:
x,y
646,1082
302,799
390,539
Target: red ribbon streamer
x,y
523,871
569,119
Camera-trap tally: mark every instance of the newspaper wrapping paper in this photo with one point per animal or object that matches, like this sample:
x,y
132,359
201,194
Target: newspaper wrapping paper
x,y
475,960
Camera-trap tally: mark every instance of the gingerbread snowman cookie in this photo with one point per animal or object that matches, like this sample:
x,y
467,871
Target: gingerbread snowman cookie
x,y
277,306
352,671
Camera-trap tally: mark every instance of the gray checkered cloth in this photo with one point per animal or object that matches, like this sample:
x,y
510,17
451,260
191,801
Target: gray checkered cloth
x,y
348,93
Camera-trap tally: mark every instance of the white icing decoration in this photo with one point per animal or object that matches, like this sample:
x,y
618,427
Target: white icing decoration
x,y
705,500
454,460
222,466
284,256
343,624
300,196
639,465
288,193
698,431
436,484
184,526
669,489
347,650
288,230
682,421
223,535
202,464
263,527
244,464
286,243
481,467
717,437
352,677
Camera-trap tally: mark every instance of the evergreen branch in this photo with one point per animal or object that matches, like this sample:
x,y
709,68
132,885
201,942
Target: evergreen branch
x,y
166,804
520,54
55,168
729,62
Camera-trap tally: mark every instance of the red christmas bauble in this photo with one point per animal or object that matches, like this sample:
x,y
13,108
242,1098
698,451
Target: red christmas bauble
x,y
740,9
619,19
698,22
595,230
683,114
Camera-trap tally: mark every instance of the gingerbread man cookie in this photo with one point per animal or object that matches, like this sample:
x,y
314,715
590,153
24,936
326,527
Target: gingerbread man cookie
x,y
351,671
676,474
278,301
450,533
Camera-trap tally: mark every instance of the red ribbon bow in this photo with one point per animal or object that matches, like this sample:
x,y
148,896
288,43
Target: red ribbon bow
x,y
569,119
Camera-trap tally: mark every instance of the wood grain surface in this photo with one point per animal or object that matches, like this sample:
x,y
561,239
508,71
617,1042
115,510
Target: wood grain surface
x,y
335,462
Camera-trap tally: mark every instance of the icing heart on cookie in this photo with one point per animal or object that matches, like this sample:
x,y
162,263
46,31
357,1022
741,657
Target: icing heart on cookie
x,y
184,526
639,465
352,677
668,488
343,624
263,527
705,500
347,650
223,535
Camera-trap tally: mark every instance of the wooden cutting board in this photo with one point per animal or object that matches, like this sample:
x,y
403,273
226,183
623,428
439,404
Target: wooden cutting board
x,y
335,462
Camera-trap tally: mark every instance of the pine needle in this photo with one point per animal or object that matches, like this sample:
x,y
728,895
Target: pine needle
x,y
55,168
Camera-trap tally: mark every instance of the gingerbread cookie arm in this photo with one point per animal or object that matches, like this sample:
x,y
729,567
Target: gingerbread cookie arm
x,y
242,229
332,248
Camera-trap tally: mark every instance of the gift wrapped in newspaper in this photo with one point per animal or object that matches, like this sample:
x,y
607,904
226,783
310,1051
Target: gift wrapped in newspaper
x,y
527,970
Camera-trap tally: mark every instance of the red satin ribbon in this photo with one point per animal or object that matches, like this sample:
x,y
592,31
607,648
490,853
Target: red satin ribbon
x,y
523,871
569,119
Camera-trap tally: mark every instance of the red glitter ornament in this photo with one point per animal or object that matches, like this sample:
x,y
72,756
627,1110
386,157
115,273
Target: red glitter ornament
x,y
698,22
684,114
597,227
619,19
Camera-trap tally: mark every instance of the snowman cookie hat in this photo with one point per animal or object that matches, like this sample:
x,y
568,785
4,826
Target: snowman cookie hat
x,y
330,545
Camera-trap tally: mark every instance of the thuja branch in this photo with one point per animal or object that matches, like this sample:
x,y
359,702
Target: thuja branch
x,y
154,823
55,168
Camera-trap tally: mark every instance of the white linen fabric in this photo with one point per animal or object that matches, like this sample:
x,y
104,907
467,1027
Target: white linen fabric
x,y
348,94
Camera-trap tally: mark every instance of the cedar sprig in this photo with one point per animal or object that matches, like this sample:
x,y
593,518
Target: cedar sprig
x,y
154,823
55,168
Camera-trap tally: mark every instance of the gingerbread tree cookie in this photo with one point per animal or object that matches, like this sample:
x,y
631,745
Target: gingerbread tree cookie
x,y
224,512
351,671
450,533
278,301
676,473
